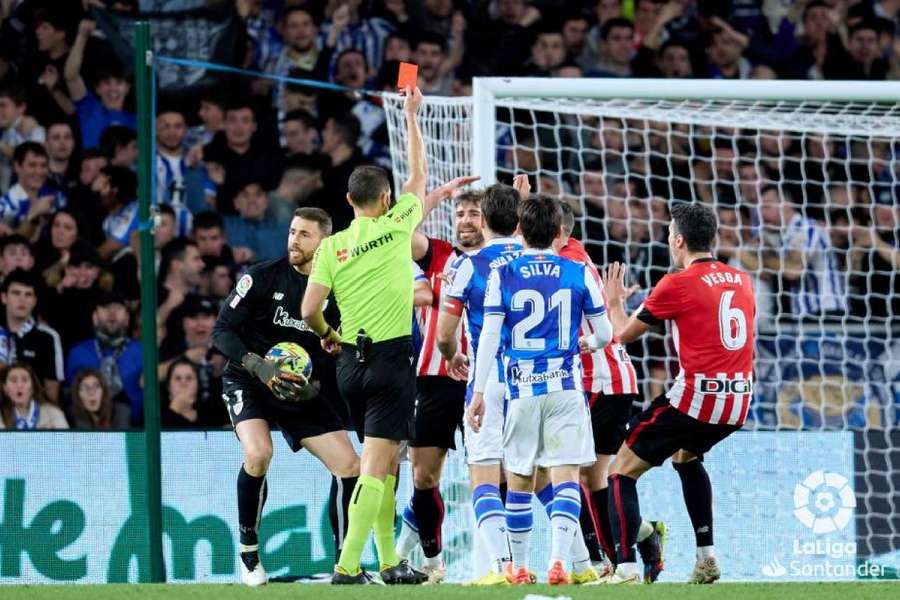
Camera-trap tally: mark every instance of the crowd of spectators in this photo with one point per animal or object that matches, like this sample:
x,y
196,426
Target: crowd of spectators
x,y
236,156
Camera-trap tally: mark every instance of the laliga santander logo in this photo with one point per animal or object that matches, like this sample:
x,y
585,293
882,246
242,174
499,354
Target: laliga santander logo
x,y
824,502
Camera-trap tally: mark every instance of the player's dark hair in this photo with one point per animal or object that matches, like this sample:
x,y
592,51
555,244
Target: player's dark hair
x,y
472,197
696,223
317,215
567,217
539,219
500,206
26,148
366,184
208,219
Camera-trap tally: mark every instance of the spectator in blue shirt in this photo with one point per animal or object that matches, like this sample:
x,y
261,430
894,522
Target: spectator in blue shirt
x,y
96,113
256,226
112,352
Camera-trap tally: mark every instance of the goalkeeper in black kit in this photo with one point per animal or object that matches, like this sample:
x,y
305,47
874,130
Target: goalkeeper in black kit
x,y
262,311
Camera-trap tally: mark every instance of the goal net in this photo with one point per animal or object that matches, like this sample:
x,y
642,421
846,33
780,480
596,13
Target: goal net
x,y
805,185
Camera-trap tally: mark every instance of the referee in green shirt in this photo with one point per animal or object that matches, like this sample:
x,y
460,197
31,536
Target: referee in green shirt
x,y
368,267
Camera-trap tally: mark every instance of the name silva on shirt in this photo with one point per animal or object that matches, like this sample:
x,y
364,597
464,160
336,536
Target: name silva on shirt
x,y
538,269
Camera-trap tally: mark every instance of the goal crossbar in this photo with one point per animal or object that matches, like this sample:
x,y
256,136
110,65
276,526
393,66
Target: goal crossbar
x,y
867,107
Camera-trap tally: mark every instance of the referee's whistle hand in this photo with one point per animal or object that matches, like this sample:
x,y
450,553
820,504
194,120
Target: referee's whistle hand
x,y
475,414
332,343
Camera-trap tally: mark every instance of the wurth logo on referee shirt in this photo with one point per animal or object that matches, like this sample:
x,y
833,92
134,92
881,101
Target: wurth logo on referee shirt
x,y
343,254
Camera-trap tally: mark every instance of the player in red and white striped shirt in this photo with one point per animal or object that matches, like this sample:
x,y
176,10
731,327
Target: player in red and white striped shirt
x,y
610,385
440,400
712,309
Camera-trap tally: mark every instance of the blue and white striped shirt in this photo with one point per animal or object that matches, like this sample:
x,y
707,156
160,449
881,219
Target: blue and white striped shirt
x,y
823,286
543,298
367,36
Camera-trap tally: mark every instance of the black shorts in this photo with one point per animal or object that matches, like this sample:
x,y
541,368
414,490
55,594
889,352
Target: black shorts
x,y
609,420
662,430
440,404
381,392
247,398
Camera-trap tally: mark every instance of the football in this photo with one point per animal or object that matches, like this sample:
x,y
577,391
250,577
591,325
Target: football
x,y
300,363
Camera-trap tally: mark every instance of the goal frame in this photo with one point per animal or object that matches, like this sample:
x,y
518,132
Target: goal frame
x,y
487,90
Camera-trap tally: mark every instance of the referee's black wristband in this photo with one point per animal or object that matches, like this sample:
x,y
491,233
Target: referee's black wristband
x,y
327,331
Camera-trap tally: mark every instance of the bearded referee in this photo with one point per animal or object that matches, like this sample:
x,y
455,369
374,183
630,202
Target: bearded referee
x,y
368,268
259,313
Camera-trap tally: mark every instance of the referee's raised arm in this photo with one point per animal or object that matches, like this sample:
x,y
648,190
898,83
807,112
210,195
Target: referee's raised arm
x,y
415,147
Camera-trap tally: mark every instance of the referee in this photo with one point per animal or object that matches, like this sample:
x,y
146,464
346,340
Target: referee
x,y
368,268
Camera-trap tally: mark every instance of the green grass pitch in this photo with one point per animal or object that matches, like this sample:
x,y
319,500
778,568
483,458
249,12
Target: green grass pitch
x,y
721,591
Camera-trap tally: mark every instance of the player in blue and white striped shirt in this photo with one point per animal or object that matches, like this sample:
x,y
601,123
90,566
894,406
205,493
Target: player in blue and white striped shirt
x,y
536,302
484,450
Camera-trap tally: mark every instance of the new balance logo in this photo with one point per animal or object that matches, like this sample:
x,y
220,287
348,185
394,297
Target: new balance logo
x,y
278,296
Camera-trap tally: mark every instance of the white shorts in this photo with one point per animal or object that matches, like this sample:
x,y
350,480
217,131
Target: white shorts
x,y
549,430
486,446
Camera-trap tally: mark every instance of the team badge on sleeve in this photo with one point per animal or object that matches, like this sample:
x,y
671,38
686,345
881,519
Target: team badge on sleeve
x,y
240,290
244,285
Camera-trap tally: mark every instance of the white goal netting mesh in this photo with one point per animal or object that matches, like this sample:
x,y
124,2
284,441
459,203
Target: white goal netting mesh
x,y
807,199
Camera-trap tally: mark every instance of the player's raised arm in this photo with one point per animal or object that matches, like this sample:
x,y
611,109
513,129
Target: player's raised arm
x,y
415,150
625,328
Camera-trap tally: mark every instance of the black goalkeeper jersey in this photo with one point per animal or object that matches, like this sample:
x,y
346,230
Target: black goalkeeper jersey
x,y
263,310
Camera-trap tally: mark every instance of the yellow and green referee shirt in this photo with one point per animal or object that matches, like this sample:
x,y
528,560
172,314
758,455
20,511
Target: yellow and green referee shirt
x,y
368,267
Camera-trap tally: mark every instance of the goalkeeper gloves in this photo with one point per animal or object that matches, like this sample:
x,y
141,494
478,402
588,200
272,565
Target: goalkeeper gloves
x,y
285,386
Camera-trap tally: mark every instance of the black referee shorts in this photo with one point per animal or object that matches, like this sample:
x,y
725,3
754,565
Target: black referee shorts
x,y
662,430
381,392
247,398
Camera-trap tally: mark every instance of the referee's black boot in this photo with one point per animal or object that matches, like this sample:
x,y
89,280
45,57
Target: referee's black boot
x,y
361,578
402,574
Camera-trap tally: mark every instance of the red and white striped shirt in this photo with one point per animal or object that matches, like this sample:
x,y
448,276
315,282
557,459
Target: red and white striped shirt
x,y
437,261
712,309
610,370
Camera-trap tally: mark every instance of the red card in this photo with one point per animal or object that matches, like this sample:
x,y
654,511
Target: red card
x,y
408,75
